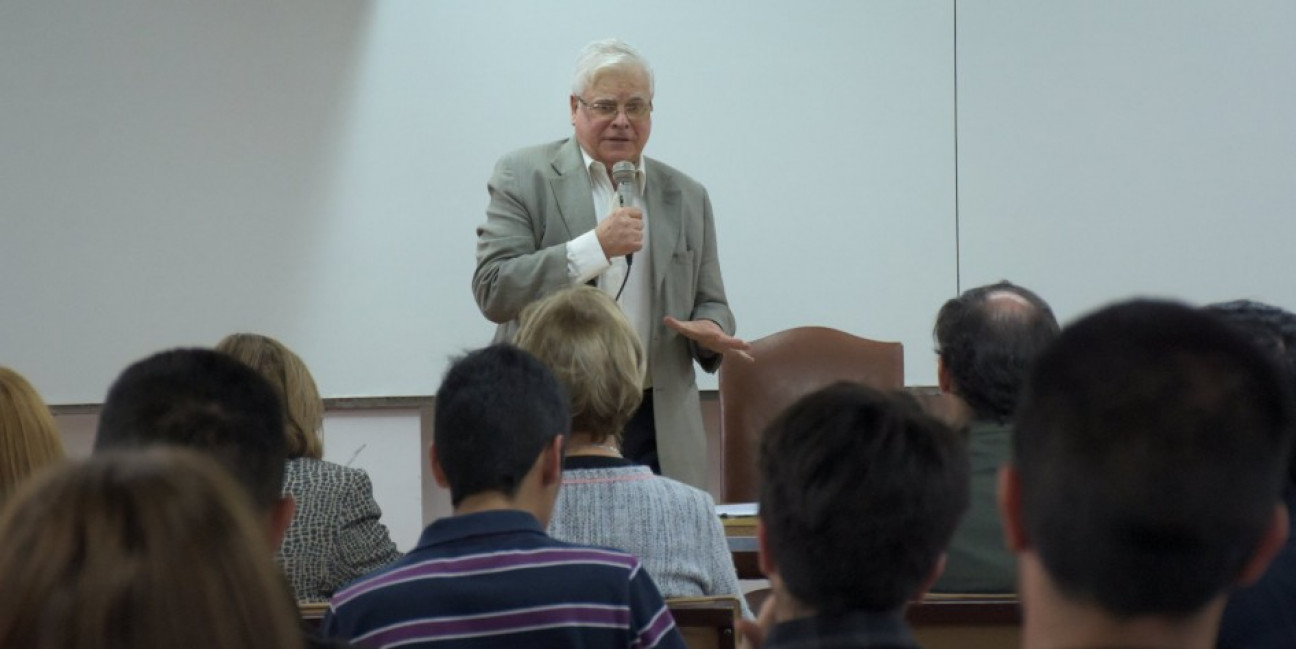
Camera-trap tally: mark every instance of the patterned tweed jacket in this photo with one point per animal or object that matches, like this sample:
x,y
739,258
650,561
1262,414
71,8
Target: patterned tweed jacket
x,y
335,536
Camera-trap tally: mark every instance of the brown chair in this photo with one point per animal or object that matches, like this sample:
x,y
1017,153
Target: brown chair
x,y
788,365
706,622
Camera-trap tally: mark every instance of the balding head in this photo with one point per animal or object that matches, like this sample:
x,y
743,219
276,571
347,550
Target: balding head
x,y
987,339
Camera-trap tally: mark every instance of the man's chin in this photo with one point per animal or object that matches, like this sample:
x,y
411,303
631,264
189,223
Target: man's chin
x,y
617,153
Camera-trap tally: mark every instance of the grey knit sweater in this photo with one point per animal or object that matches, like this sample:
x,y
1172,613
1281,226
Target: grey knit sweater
x,y
670,526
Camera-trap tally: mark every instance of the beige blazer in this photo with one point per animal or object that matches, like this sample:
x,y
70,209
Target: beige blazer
x,y
540,198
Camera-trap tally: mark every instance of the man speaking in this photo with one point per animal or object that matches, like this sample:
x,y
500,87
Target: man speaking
x,y
566,213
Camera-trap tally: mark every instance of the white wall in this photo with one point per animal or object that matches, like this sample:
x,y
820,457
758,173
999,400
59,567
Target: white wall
x,y
1111,149
314,169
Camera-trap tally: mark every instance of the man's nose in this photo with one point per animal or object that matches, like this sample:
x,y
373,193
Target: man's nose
x,y
621,119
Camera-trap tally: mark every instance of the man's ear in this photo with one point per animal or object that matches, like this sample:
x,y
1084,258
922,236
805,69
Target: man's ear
x,y
1270,544
943,379
937,570
572,100
438,473
551,462
1009,496
764,560
280,517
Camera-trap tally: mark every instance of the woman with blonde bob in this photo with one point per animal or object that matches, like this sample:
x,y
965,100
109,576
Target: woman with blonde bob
x,y
583,337
29,440
152,549
335,536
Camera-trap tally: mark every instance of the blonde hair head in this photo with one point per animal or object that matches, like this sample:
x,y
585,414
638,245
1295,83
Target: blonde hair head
x,y
29,439
303,408
147,549
585,340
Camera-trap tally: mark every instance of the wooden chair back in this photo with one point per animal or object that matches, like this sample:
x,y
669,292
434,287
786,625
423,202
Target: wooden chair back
x,y
966,621
706,622
788,365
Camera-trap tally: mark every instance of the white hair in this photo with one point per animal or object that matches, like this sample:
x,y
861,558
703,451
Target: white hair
x,y
609,53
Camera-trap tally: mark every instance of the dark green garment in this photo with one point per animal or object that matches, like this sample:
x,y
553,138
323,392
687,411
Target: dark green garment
x,y
979,561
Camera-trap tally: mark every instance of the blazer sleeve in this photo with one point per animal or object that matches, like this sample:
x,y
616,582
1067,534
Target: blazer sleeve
x,y
513,268
361,543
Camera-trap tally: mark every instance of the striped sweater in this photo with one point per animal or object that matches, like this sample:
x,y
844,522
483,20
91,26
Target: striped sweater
x,y
494,580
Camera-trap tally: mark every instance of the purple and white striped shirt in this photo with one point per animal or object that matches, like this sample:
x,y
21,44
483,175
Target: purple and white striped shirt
x,y
493,580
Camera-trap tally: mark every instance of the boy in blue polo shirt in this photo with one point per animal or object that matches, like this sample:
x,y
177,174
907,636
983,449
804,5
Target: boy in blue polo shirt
x,y
489,576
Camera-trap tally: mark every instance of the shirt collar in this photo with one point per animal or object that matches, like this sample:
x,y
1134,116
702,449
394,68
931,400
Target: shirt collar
x,y
861,628
577,462
593,167
498,521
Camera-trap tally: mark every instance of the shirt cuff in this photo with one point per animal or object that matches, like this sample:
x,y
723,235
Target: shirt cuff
x,y
585,259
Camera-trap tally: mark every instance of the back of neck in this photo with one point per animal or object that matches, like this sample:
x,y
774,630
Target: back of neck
x,y
1052,620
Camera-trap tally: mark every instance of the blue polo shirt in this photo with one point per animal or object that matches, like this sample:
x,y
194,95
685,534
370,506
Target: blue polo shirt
x,y
496,580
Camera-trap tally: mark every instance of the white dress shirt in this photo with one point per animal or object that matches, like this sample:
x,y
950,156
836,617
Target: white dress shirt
x,y
586,261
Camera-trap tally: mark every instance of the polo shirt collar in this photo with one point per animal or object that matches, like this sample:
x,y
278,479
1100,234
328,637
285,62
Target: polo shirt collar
x,y
862,628
488,523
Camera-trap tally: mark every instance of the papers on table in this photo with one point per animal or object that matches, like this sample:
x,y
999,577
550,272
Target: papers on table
x,y
736,510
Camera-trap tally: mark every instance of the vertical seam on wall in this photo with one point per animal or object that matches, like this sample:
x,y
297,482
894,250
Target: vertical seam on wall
x,y
958,259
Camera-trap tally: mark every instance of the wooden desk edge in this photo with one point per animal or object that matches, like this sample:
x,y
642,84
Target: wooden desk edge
x,y
968,610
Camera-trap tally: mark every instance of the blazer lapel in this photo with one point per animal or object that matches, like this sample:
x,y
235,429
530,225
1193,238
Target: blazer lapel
x,y
571,188
663,202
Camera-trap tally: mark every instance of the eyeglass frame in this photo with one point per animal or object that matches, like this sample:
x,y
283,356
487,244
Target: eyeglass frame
x,y
599,107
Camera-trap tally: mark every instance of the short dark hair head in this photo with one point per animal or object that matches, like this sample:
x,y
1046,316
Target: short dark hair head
x,y
1274,330
203,400
1271,327
1151,445
860,494
496,410
987,338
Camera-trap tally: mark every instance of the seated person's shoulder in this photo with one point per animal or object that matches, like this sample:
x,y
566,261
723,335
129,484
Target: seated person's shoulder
x,y
323,474
687,495
581,553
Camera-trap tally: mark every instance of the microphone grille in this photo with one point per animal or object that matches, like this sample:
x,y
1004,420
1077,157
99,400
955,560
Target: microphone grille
x,y
623,172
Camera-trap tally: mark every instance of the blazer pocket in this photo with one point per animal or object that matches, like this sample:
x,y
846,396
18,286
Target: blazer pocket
x,y
681,285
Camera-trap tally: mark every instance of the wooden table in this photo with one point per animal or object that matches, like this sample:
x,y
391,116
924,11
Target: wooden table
x,y
740,532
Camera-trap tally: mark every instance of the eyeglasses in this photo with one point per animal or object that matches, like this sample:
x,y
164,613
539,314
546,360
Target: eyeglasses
x,y
635,109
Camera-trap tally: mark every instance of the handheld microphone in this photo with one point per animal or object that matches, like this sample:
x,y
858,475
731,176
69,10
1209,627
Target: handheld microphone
x,y
623,174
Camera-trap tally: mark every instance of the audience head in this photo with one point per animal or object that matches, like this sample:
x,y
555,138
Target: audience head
x,y
1274,330
292,382
207,401
1269,326
143,550
860,494
29,440
593,351
497,411
1148,460
987,339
